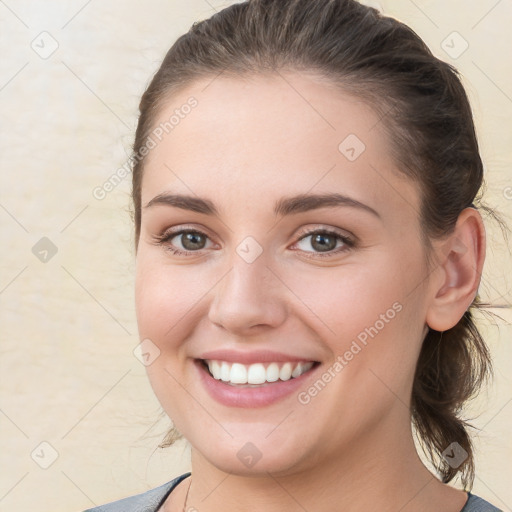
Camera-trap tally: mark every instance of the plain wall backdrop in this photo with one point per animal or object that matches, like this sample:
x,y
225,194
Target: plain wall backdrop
x,y
78,420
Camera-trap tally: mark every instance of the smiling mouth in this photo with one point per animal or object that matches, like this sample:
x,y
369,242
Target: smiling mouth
x,y
256,374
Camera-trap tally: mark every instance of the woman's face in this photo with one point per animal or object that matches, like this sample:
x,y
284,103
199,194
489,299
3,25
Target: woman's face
x,y
259,293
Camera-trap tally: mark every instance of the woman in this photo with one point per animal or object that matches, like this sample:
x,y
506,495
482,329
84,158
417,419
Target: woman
x,y
309,250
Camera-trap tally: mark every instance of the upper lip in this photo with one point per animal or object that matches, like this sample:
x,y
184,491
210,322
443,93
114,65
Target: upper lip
x,y
254,356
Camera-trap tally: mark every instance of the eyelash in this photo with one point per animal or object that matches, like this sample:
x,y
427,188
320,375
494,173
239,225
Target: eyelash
x,y
164,238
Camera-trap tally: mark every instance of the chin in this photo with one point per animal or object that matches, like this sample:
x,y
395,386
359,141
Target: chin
x,y
252,454
252,462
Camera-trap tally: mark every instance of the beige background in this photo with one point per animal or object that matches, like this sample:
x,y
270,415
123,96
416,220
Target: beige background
x,y
68,374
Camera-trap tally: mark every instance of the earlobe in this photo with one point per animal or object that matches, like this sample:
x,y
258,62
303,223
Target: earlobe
x,y
460,259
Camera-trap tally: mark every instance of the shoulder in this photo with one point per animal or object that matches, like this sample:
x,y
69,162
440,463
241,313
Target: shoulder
x,y
477,504
148,501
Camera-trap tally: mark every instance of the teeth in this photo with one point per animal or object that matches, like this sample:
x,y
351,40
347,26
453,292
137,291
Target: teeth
x,y
215,369
224,371
257,373
297,371
238,374
272,372
286,372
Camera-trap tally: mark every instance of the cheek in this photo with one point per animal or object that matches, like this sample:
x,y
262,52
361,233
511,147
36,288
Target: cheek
x,y
370,324
345,301
165,296
367,315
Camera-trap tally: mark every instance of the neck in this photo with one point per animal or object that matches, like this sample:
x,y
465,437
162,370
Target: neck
x,y
371,472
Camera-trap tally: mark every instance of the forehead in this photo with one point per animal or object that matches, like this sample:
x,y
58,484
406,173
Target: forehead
x,y
272,135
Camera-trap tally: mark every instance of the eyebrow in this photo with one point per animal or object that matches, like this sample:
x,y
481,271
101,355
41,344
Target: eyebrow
x,y
284,206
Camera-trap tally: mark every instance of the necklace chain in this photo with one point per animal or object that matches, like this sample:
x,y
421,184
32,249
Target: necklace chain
x,y
186,496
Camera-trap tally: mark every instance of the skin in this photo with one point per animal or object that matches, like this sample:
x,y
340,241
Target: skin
x,y
248,143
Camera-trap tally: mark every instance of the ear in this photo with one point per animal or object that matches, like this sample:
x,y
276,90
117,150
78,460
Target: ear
x,y
460,258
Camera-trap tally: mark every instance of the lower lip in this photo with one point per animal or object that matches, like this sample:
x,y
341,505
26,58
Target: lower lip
x,y
261,396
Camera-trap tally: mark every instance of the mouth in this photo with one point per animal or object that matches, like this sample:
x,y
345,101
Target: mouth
x,y
253,375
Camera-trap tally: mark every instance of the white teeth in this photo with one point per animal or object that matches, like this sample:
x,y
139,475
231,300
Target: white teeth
x,y
215,369
224,371
272,372
238,374
257,373
297,370
286,372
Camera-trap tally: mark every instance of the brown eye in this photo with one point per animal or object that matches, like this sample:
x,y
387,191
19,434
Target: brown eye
x,y
183,242
191,240
324,242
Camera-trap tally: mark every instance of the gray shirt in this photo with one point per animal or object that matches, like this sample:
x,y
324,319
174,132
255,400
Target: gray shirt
x,y
152,500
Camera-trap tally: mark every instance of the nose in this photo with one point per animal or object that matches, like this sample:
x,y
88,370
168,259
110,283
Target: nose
x,y
249,298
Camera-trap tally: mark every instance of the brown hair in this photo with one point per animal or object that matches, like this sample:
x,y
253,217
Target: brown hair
x,y
430,126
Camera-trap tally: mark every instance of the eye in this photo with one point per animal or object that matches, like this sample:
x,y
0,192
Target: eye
x,y
185,242
191,241
324,241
